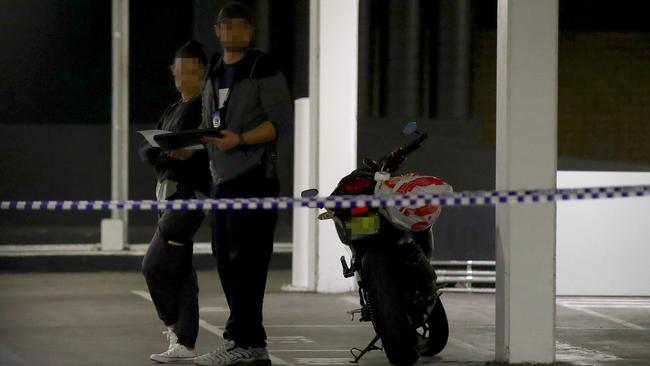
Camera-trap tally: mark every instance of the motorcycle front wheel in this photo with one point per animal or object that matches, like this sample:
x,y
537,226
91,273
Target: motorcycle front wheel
x,y
388,313
437,332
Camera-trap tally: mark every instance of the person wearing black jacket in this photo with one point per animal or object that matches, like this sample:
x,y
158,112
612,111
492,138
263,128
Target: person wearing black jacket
x,y
167,265
246,95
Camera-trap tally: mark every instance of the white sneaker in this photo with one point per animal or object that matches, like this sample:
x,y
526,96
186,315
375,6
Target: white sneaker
x,y
176,353
171,337
235,356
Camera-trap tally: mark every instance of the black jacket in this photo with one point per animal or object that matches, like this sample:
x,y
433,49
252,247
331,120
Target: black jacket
x,y
192,174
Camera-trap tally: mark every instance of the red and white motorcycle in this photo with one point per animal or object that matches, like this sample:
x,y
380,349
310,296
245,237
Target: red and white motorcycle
x,y
391,251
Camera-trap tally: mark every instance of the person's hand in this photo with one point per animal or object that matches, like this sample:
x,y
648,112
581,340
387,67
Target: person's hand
x,y
230,140
181,154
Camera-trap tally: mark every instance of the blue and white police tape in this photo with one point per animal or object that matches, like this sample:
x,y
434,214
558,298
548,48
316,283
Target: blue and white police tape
x,y
468,198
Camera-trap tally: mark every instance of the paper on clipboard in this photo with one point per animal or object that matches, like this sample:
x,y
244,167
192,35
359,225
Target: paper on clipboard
x,y
150,134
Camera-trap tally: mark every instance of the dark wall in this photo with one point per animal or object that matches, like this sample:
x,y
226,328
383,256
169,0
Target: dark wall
x,y
411,68
603,79
157,30
55,89
55,84
281,29
55,63
55,80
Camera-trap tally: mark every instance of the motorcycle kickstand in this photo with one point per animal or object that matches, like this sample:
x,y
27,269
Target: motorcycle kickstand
x,y
370,347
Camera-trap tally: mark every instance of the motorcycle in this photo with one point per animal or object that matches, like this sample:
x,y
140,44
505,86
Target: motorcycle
x,y
391,263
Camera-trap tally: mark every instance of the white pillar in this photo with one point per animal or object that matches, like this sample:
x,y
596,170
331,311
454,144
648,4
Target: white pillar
x,y
334,26
119,122
303,268
112,235
526,157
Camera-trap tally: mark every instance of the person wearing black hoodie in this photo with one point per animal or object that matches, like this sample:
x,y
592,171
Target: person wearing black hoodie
x,y
167,265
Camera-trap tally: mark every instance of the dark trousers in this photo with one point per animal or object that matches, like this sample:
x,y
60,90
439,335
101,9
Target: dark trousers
x,y
242,242
170,275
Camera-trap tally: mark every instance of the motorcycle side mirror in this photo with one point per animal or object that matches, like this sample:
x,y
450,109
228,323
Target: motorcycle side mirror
x,y
309,193
410,129
370,164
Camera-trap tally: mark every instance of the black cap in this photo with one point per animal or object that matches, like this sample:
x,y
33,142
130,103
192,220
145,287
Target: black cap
x,y
235,10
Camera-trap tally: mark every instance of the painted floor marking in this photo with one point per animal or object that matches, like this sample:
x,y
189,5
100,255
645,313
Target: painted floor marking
x,y
310,350
215,330
212,309
608,306
360,325
607,303
581,356
602,316
323,361
564,352
288,340
8,356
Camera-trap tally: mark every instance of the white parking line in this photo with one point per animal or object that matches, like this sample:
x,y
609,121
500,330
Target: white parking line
x,y
581,356
564,352
289,339
643,300
584,309
144,294
606,302
607,317
310,350
609,306
215,330
360,325
212,309
323,361
9,357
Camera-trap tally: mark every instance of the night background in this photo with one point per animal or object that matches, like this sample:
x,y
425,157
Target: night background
x,y
430,61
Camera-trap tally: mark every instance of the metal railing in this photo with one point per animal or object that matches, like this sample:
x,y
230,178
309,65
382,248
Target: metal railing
x,y
461,275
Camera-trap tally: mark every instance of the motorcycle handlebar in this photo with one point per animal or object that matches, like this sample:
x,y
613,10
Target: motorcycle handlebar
x,y
395,158
414,145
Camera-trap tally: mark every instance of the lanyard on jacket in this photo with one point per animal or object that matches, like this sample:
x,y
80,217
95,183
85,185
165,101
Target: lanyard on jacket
x,y
238,76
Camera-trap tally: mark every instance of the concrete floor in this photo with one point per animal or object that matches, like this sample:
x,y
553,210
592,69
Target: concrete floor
x,y
105,319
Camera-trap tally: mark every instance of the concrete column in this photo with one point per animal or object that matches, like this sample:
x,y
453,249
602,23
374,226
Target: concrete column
x,y
303,267
526,157
119,124
333,103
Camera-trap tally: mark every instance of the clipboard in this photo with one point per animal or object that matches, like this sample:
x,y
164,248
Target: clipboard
x,y
184,139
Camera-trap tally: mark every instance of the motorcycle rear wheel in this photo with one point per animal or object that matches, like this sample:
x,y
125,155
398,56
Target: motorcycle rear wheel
x,y
389,316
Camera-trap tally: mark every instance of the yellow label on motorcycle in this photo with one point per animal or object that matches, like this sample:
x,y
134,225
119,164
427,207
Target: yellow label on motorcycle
x,y
358,227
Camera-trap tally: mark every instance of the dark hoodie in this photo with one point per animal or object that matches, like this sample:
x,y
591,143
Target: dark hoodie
x,y
192,174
